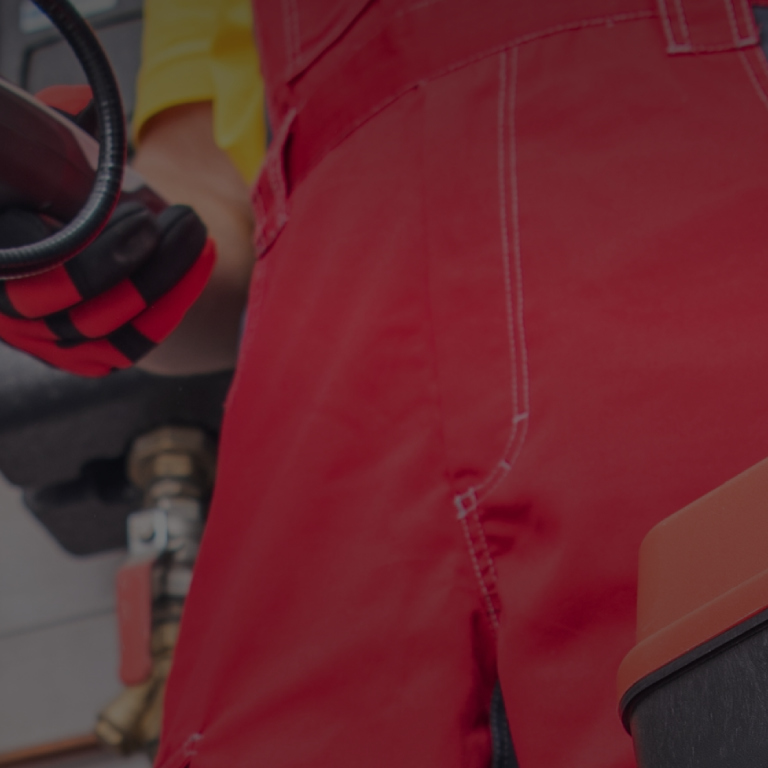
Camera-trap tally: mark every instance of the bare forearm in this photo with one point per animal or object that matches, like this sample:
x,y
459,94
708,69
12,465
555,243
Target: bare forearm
x,y
178,157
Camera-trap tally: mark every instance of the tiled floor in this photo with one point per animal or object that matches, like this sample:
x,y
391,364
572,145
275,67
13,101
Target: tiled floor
x,y
58,649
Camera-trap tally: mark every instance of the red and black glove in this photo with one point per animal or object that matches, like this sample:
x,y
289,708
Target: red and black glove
x,y
111,304
108,306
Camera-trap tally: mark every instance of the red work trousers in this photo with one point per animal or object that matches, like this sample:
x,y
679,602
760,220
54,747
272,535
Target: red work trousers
x,y
511,312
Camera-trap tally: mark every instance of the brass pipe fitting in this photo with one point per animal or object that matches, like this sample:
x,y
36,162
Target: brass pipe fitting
x,y
175,467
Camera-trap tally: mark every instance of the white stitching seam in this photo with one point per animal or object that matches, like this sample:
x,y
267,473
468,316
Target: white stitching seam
x,y
687,46
190,745
479,576
468,501
734,24
305,57
494,51
486,548
672,44
666,21
749,22
683,23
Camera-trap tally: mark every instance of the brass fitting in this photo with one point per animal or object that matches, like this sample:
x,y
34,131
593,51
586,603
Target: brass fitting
x,y
171,462
132,721
175,467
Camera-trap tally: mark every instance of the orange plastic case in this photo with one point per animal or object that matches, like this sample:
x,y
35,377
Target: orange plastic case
x,y
702,571
703,591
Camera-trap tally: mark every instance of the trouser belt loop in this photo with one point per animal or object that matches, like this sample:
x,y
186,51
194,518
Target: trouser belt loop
x,y
707,26
270,192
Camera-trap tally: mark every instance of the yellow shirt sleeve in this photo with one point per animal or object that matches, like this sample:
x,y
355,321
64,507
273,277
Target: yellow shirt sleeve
x,y
203,50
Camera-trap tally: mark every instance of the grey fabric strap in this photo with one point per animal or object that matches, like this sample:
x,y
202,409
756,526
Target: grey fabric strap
x,y
501,739
761,17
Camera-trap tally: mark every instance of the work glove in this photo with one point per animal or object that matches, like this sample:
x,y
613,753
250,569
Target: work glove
x,y
112,303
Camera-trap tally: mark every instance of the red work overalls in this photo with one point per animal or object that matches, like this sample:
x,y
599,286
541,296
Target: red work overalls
x,y
511,311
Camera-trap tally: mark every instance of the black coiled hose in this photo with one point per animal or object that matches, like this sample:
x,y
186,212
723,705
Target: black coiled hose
x,y
38,257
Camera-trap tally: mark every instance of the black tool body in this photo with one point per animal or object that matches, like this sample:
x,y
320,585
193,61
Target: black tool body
x,y
48,164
